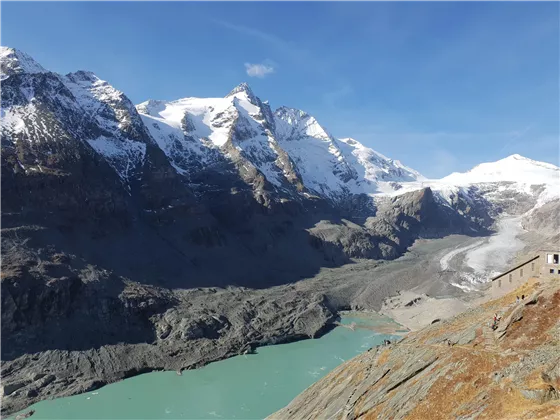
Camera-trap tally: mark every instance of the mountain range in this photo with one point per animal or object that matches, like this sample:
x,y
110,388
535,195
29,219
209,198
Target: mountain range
x,y
208,174
108,207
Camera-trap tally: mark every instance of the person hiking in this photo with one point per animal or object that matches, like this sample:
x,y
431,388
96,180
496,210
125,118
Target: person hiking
x,y
495,322
517,300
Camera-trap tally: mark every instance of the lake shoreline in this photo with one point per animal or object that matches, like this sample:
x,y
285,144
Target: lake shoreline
x,y
388,325
192,328
366,340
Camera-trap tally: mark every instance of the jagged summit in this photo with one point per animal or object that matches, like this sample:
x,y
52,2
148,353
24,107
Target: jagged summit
x,y
78,108
302,123
13,61
83,75
151,107
350,141
285,111
243,88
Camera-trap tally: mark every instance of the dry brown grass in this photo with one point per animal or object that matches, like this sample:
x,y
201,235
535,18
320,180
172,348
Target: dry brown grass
x,y
471,387
511,404
538,319
444,401
548,411
502,400
373,413
383,357
357,377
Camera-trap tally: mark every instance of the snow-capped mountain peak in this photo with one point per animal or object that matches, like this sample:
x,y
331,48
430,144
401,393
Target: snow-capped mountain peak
x,y
243,91
15,62
516,159
350,141
300,122
334,166
379,167
84,108
514,168
291,115
151,107
284,145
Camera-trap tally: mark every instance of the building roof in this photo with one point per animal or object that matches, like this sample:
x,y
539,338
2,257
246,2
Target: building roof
x,y
515,268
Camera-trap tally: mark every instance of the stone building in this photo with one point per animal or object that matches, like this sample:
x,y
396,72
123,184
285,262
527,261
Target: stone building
x,y
545,264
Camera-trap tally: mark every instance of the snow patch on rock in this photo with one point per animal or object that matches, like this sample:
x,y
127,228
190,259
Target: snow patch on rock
x,y
13,61
124,156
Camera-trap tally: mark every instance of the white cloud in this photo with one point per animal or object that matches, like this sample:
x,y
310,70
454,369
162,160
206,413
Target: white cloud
x,y
305,58
258,70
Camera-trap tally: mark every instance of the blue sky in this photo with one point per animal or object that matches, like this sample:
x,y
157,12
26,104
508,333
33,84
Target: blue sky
x,y
440,86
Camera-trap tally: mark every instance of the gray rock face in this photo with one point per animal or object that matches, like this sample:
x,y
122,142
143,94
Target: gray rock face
x,y
351,396
541,395
8,389
544,221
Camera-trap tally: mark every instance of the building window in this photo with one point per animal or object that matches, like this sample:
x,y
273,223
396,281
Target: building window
x,y
532,266
521,273
555,258
552,271
549,258
500,283
510,278
558,271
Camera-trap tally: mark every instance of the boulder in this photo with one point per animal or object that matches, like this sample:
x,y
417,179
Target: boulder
x,y
551,374
541,395
25,415
46,381
37,376
8,389
31,393
515,316
534,298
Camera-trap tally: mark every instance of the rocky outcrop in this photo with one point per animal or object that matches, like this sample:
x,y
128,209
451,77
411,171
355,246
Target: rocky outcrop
x,y
542,222
515,315
450,370
8,389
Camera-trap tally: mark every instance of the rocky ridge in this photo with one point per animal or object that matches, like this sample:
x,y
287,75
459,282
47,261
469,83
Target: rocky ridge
x,y
457,368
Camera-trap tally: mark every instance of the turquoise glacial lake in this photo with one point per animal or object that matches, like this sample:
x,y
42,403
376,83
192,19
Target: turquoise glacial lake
x,y
242,387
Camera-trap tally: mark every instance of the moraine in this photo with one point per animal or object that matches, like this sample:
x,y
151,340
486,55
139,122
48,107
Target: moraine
x,y
242,387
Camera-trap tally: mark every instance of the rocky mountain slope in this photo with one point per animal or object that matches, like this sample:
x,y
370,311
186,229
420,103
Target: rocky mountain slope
x,y
458,368
114,216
